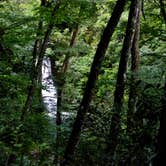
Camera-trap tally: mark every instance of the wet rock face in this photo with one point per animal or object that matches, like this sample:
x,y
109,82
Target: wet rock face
x,y
49,91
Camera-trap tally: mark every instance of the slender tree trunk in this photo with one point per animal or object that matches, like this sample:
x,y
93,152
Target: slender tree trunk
x,y
37,68
60,92
38,42
135,62
162,7
11,159
58,85
120,85
31,88
92,79
160,159
63,72
72,43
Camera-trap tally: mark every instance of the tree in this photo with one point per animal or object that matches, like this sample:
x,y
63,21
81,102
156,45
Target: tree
x,y
115,128
135,62
162,7
95,69
161,148
37,139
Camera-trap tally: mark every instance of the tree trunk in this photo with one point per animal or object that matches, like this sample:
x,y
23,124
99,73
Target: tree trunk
x,y
120,85
38,42
162,7
72,43
135,62
92,79
161,149
37,69
36,48
63,72
60,92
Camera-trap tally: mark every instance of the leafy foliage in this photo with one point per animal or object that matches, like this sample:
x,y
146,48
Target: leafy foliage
x,y
37,140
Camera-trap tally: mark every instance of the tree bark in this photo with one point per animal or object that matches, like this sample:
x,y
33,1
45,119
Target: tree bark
x,y
161,149
36,48
72,43
135,62
92,79
115,127
162,7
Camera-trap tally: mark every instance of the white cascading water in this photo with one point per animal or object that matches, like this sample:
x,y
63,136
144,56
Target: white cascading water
x,y
49,91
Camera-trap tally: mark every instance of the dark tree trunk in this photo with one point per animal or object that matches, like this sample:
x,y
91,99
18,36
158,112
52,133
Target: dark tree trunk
x,y
162,7
120,85
92,79
160,159
36,48
59,83
11,159
59,99
37,69
135,62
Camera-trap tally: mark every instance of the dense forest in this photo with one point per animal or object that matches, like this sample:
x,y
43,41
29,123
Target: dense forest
x,y
82,82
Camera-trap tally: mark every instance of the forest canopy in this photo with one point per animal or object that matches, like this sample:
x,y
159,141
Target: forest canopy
x,y
82,82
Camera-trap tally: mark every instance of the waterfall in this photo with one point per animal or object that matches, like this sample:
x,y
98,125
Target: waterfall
x,y
49,90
